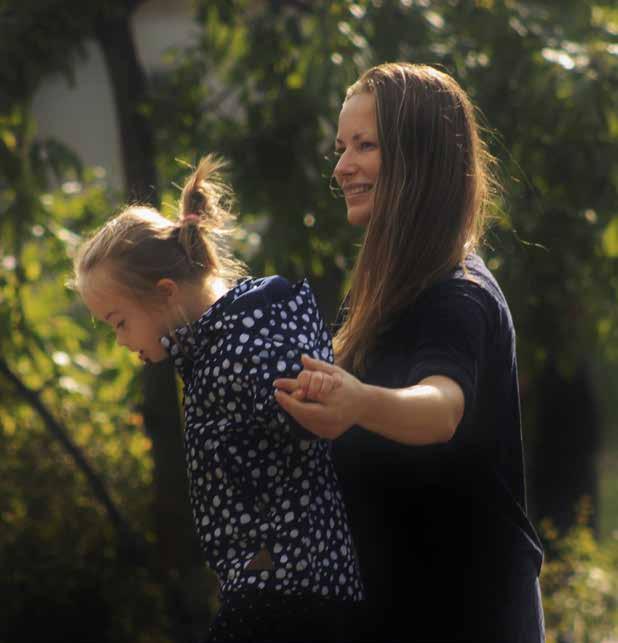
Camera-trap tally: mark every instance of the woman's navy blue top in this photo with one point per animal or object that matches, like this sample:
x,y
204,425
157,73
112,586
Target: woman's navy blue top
x,y
257,479
443,537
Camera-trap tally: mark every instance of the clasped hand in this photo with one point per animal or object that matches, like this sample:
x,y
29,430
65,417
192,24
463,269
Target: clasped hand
x,y
323,398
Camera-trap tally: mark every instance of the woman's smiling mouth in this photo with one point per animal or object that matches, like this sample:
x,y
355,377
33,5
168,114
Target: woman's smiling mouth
x,y
356,189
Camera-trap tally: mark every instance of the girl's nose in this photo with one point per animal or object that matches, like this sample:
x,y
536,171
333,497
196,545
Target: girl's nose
x,y
121,342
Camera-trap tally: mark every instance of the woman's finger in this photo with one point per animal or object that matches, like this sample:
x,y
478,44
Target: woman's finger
x,y
304,380
315,385
337,380
327,386
317,364
333,382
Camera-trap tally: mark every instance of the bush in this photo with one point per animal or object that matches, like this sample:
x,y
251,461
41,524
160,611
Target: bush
x,y
580,583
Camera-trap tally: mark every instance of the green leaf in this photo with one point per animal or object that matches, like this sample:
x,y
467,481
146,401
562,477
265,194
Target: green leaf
x,y
610,238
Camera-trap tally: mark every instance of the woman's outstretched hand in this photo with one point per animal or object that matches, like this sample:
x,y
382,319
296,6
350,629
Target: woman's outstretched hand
x,y
324,398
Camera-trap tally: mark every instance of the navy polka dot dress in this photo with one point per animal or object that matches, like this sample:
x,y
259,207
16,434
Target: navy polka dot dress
x,y
258,481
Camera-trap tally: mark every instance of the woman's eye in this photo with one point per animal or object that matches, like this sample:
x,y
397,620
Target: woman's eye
x,y
337,153
120,325
367,145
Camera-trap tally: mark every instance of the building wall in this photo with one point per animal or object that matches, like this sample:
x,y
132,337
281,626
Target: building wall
x,y
81,114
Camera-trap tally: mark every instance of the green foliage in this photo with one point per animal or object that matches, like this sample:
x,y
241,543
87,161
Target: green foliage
x,y
544,75
262,85
58,549
58,553
271,110
44,38
580,584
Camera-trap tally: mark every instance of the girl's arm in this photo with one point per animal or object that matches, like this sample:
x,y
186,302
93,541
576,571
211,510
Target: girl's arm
x,y
327,401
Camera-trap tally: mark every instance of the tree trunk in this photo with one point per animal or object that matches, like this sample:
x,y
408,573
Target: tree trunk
x,y
189,585
128,82
178,546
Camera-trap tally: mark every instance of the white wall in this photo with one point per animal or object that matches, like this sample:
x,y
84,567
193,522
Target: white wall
x,y
82,115
159,25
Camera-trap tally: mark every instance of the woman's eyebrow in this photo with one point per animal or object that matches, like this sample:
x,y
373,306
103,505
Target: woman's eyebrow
x,y
355,137
114,312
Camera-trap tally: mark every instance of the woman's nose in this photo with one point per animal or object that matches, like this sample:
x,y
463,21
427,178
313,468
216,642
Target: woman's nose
x,y
344,167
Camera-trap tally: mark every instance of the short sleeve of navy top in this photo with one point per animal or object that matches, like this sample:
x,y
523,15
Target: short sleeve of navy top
x,y
446,509
257,479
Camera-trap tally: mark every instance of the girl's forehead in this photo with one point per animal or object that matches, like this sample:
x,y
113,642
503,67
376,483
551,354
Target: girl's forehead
x,y
97,282
101,294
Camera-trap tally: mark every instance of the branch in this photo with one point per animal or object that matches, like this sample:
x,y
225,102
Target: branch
x,y
61,434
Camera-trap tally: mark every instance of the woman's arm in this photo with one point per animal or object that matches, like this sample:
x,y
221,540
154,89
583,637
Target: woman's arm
x,y
327,401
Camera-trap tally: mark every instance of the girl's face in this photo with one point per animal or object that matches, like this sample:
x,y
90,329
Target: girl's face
x,y
359,162
137,327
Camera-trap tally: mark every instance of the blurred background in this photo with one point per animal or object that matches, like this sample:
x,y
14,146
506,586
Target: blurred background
x,y
110,101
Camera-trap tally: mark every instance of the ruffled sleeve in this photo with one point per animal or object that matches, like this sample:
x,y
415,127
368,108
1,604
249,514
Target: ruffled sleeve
x,y
274,324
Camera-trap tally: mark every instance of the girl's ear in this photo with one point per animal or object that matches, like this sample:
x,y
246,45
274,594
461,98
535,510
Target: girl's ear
x,y
167,288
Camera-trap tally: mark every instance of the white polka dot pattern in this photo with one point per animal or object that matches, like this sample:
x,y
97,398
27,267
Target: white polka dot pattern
x,y
257,479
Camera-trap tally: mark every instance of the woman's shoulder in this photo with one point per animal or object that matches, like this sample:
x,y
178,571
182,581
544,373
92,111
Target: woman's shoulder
x,y
468,292
470,279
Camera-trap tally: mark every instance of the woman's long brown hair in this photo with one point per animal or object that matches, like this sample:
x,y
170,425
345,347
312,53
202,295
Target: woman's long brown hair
x,y
429,204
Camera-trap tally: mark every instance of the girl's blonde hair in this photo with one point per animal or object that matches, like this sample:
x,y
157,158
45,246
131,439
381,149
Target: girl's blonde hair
x,y
139,246
430,199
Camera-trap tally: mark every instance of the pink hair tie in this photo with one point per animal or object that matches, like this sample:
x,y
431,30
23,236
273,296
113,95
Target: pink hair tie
x,y
191,218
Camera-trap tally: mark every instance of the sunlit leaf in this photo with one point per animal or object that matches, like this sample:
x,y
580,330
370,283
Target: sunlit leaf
x,y
610,238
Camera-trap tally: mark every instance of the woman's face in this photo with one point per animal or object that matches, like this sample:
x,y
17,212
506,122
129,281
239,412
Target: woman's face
x,y
359,156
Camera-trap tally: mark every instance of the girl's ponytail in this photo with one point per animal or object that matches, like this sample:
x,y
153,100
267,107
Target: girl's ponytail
x,y
207,196
204,218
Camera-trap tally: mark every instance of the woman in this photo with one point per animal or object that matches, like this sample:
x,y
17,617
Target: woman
x,y
423,404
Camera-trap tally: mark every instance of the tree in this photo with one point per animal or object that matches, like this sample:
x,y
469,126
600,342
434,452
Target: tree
x,y
262,85
178,562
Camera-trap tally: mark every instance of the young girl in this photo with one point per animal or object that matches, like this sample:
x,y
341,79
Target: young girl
x,y
424,403
265,499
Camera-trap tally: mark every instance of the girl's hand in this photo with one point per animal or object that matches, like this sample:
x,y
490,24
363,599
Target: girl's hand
x,y
324,398
311,385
